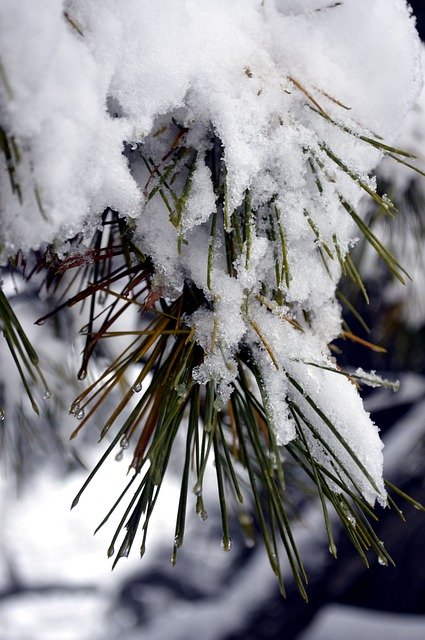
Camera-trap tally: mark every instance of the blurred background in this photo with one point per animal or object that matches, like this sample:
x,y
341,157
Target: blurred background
x,y
55,579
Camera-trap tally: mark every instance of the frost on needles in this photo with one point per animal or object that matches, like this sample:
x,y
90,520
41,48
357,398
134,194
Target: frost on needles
x,y
237,138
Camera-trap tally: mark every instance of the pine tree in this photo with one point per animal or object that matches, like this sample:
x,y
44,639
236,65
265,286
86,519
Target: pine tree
x,y
217,214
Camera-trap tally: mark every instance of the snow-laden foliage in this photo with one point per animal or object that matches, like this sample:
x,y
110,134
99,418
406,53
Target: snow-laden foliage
x,y
237,137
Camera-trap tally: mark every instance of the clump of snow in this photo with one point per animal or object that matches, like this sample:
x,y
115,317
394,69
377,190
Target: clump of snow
x,y
139,108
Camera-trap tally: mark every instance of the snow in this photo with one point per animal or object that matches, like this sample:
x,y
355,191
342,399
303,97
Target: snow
x,y
50,524
70,148
52,616
95,90
338,621
224,63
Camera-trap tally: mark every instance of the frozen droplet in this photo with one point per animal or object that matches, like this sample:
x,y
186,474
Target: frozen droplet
x,y
119,456
383,561
226,545
133,146
47,394
125,442
80,414
137,387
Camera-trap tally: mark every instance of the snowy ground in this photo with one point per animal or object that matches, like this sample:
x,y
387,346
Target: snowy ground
x,y
337,622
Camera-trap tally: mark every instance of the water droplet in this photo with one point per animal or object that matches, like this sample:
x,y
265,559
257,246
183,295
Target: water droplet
x,y
137,387
40,322
348,514
197,489
133,146
383,561
80,414
119,456
74,408
203,515
125,442
178,541
2,415
47,394
226,545
200,508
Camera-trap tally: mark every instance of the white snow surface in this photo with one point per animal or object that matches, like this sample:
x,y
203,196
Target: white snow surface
x,y
227,63
90,90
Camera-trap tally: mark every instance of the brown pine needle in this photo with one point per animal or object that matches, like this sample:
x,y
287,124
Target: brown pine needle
x,y
266,345
307,94
365,343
